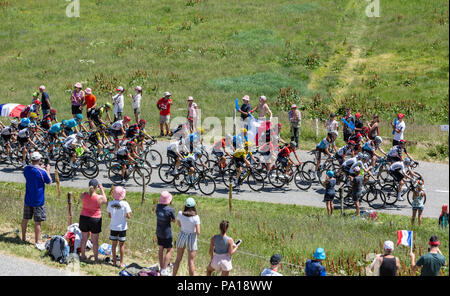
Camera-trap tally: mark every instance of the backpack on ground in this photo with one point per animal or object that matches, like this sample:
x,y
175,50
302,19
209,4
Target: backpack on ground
x,y
135,269
58,249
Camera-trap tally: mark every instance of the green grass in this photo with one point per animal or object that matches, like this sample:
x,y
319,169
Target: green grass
x,y
219,50
293,231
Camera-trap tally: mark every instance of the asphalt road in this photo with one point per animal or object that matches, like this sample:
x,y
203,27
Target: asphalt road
x,y
436,186
14,266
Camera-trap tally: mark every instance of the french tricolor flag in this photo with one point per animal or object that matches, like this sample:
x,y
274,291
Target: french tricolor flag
x,y
405,237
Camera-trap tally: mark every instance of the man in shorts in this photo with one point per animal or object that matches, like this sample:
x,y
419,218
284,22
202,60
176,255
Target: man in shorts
x,y
163,106
36,176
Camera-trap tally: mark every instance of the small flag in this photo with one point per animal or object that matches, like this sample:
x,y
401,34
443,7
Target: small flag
x,y
404,237
395,125
350,125
236,102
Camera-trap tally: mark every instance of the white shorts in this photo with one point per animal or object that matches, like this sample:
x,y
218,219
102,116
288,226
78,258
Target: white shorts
x,y
221,262
164,118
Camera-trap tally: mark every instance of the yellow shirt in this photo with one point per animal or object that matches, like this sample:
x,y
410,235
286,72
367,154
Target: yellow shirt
x,y
241,153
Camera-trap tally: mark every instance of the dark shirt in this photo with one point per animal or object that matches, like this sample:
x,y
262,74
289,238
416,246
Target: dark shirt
x,y
44,98
346,129
388,267
431,264
329,188
357,184
245,108
164,216
314,268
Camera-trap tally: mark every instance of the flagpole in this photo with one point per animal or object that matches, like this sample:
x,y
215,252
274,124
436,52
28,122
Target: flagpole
x,y
412,240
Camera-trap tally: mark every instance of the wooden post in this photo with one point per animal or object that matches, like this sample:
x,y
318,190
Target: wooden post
x,y
69,203
143,187
342,202
58,188
230,197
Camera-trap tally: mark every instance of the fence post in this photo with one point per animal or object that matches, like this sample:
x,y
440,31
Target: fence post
x,y
58,188
230,197
143,188
69,203
342,202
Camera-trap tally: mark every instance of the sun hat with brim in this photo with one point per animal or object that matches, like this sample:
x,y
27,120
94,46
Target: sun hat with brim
x,y
88,91
388,245
165,198
320,254
42,87
190,98
36,156
78,85
139,88
119,193
293,106
167,94
120,88
275,259
190,202
246,98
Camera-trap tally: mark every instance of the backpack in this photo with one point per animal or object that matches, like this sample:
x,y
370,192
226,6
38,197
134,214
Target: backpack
x,y
58,249
135,269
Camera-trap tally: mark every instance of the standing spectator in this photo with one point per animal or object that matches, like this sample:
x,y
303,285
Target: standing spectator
x,y
245,109
443,218
347,131
91,217
295,119
164,216
118,211
163,105
192,115
189,222
136,102
417,202
275,261
431,262
91,104
373,127
399,127
357,187
77,99
35,96
314,267
330,183
263,109
119,103
332,124
221,248
358,124
36,176
387,264
45,100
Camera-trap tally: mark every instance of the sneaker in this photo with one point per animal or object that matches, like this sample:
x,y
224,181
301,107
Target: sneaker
x,y
401,198
40,246
174,172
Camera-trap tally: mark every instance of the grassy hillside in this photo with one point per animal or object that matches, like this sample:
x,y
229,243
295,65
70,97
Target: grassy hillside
x,y
293,231
320,54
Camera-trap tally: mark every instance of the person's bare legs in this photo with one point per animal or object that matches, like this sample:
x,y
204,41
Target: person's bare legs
x,y
357,208
191,256
95,245
84,239
413,217
122,253
24,228
225,273
37,231
176,265
113,252
209,270
167,129
167,258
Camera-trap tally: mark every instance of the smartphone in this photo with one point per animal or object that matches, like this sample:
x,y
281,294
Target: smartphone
x,y
238,242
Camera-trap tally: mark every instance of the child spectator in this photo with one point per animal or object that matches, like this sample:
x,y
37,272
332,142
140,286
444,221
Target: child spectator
x,y
164,216
275,261
136,103
118,103
163,105
443,218
330,182
417,201
119,211
314,267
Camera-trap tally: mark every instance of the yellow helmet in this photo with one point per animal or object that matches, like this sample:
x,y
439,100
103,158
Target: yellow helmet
x,y
201,130
243,130
33,115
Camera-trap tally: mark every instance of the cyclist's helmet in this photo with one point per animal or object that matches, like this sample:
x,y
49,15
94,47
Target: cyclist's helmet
x,y
403,142
378,140
25,121
13,122
142,122
357,170
33,115
37,102
79,116
53,111
126,119
407,161
64,122
131,144
108,106
333,134
351,142
292,144
360,155
32,125
80,135
365,130
358,136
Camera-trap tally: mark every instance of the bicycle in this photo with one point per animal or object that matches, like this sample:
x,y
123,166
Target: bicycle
x,y
151,155
254,180
84,162
183,182
140,170
371,194
390,191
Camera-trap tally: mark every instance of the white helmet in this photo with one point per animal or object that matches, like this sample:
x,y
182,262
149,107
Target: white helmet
x,y
378,140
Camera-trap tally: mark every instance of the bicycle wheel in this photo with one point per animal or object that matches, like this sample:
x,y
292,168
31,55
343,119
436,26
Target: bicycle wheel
x,y
302,180
141,173
309,167
410,197
276,178
108,159
228,177
207,185
115,174
345,193
390,194
181,183
63,167
376,199
154,158
383,174
255,181
89,167
165,173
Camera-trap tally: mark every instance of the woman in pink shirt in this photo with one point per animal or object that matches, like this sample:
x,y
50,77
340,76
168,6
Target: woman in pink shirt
x,y
91,217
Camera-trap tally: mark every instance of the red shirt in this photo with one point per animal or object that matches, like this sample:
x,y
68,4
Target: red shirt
x,y
285,151
164,106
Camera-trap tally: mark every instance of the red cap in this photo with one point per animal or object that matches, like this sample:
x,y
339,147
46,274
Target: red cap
x,y
358,115
401,115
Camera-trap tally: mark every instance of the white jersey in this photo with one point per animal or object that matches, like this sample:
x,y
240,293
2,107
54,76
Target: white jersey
x,y
24,133
397,166
117,126
72,139
400,126
136,103
344,151
7,131
350,162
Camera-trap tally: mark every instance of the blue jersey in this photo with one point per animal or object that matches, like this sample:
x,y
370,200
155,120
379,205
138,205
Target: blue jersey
x,y
55,128
324,144
71,123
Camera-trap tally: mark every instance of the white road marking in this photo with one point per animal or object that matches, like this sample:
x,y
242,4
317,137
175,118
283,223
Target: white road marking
x,y
443,191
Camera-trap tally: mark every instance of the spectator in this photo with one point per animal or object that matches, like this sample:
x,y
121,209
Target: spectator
x,y
45,100
245,109
398,129
431,262
358,124
263,109
347,131
417,201
136,103
443,218
330,183
91,217
221,249
163,105
36,176
91,104
164,216
275,261
119,103
36,96
77,99
192,115
295,119
189,222
357,186
332,124
118,211
314,267
373,127
387,264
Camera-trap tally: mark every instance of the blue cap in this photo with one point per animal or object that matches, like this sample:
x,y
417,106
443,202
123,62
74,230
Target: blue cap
x,y
320,254
330,174
190,202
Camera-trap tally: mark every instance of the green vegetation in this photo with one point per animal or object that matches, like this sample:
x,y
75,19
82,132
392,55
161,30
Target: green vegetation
x,y
291,230
330,52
